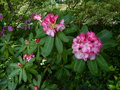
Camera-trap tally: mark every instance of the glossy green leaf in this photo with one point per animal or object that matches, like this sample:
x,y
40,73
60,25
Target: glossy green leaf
x,y
24,75
68,18
14,65
20,75
84,29
59,45
92,65
14,73
79,66
104,35
39,80
72,29
108,44
33,71
63,37
102,63
40,33
30,36
32,49
22,48
46,50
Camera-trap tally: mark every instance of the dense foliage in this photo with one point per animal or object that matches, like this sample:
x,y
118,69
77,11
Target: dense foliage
x,y
39,44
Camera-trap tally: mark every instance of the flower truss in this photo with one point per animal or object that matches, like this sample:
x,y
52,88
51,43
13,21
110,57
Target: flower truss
x,y
86,46
37,17
50,26
28,57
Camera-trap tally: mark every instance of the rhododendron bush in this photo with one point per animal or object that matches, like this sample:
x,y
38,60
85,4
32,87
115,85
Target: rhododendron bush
x,y
47,50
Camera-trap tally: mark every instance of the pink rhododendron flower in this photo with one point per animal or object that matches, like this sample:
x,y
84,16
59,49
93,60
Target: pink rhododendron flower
x,y
37,17
28,57
49,25
86,46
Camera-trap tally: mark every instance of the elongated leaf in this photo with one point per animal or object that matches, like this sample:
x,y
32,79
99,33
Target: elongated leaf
x,y
108,44
92,65
21,60
42,41
71,30
30,36
59,45
39,80
33,71
14,73
102,63
68,18
38,55
24,75
79,66
63,37
104,35
20,76
14,65
40,34
46,50
84,29
32,49
22,48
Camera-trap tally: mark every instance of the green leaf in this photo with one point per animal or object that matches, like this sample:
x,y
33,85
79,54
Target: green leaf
x,y
20,75
32,49
104,35
14,65
40,34
92,65
30,36
21,60
68,18
63,37
14,73
42,41
24,75
46,50
79,66
59,58
84,29
73,29
28,65
22,48
38,55
33,71
108,44
11,50
102,63
39,80
59,45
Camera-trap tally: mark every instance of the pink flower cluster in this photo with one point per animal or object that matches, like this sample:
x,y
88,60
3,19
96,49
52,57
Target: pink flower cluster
x,y
86,46
49,25
27,57
37,17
